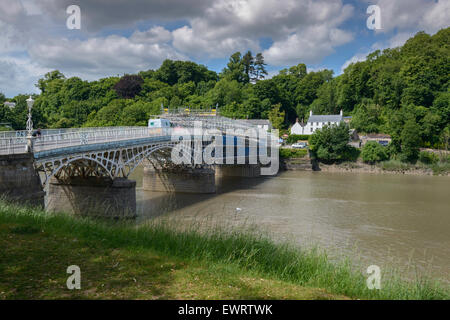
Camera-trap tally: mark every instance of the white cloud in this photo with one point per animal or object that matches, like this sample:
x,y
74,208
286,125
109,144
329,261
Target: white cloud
x,y
105,56
310,46
19,75
304,30
427,15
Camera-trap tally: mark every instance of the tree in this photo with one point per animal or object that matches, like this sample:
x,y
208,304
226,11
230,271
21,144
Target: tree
x,y
260,67
129,86
134,115
49,76
248,62
367,118
374,152
276,117
234,69
330,143
410,138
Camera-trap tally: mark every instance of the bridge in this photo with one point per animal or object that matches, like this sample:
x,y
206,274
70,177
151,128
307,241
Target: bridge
x,y
86,170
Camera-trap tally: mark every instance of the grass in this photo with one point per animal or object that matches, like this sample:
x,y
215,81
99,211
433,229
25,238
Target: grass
x,y
164,260
439,168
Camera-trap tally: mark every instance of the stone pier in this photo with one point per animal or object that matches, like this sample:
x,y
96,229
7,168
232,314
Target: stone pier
x,y
19,181
238,170
179,179
93,196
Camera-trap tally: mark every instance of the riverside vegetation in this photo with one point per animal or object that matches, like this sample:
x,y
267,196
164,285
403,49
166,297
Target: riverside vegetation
x,y
160,260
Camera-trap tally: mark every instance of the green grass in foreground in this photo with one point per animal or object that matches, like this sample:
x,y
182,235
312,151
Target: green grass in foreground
x,y
163,261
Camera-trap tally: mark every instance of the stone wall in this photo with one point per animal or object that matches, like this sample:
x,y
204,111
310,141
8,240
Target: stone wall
x,y
297,164
184,180
19,180
92,196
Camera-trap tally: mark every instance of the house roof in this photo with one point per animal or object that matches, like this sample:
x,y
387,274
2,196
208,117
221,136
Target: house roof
x,y
325,118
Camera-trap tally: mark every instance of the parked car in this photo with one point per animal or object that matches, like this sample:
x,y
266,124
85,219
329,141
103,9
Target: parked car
x,y
299,145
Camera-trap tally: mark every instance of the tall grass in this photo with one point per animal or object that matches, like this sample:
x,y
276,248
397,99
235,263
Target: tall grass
x,y
246,248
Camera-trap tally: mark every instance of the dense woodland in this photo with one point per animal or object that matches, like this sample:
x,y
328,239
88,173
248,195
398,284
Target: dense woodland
x,y
402,91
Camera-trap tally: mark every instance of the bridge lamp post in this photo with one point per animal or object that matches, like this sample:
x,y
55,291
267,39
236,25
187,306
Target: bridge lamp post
x,y
30,103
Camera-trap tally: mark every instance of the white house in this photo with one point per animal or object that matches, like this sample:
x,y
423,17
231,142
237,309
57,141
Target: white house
x,y
316,122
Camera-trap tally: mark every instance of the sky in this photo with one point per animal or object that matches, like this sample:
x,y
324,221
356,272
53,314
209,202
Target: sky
x,y
126,36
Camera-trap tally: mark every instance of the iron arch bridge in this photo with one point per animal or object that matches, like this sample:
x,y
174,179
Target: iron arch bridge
x,y
104,152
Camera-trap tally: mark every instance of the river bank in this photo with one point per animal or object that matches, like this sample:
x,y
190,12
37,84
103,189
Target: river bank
x,y
158,261
386,167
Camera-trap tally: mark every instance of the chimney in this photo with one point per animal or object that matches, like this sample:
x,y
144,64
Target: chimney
x,y
342,113
296,120
310,113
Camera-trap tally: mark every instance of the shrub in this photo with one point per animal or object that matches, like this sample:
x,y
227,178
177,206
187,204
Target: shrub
x,y
292,153
293,138
373,152
330,144
428,157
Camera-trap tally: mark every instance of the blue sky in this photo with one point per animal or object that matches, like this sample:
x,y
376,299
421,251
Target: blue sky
x,y
118,37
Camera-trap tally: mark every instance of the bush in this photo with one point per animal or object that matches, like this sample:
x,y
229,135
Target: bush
x,y
428,157
373,152
330,144
293,138
292,153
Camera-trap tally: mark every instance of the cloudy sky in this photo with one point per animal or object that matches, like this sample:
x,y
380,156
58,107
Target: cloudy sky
x,y
126,36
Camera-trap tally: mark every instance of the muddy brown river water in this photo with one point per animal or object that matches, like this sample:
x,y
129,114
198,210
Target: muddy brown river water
x,y
386,220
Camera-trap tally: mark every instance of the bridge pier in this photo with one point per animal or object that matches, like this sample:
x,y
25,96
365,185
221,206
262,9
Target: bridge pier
x,y
238,170
181,179
93,196
19,181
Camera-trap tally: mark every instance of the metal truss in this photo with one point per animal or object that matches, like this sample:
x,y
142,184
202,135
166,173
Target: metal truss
x,y
113,163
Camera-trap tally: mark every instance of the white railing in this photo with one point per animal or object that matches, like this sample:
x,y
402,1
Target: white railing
x,y
13,145
14,142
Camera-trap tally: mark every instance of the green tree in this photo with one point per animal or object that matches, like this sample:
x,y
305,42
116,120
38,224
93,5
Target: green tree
x,y
248,62
410,138
367,118
260,67
49,76
374,152
276,117
330,143
134,115
235,69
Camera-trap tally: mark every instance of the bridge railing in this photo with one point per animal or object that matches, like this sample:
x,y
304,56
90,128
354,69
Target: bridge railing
x,y
16,141
94,136
17,144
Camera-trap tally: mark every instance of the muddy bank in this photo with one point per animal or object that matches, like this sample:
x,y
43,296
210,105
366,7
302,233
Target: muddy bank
x,y
307,164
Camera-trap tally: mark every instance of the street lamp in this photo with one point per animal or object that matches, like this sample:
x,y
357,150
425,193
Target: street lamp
x,y
30,103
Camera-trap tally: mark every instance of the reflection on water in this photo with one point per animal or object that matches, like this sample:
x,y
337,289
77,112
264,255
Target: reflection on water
x,y
390,219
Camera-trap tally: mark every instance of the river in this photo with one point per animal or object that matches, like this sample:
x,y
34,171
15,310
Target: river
x,y
385,220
